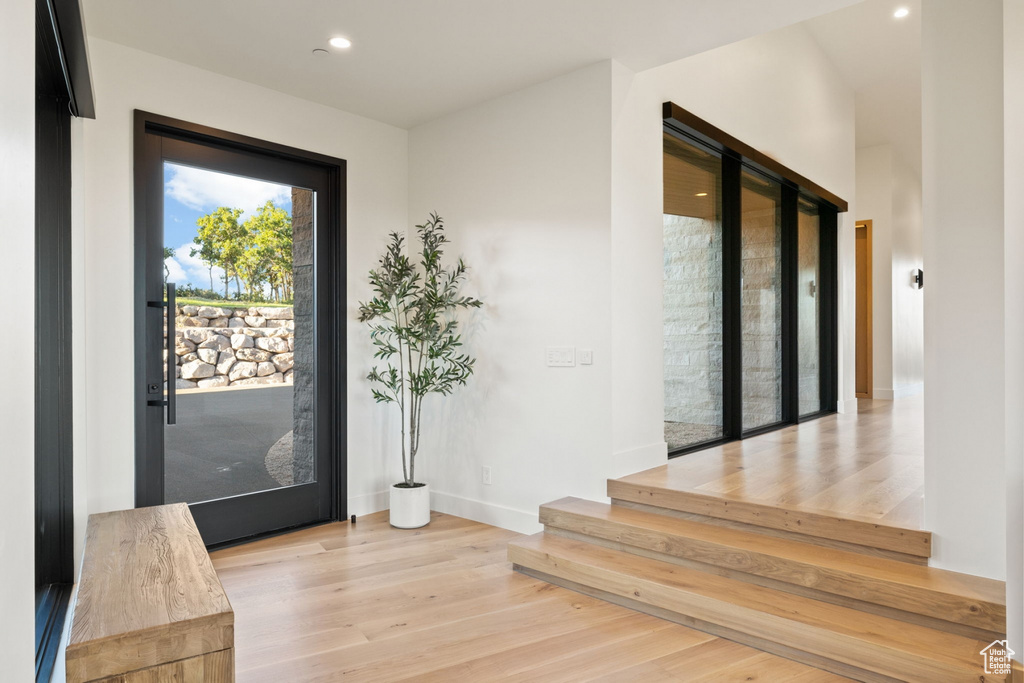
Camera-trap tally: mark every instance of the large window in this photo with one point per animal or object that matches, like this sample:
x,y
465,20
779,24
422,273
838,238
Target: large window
x,y
63,90
749,289
693,294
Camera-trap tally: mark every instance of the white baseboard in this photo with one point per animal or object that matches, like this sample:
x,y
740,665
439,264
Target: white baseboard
x,y
847,406
520,521
908,390
639,459
882,394
477,510
368,503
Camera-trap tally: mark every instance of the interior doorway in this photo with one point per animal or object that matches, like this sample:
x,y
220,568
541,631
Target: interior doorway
x,y
864,371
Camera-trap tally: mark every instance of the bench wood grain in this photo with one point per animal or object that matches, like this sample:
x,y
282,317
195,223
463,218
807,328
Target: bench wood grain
x,y
148,597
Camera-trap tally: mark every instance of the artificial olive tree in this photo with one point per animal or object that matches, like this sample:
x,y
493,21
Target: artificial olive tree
x,y
414,326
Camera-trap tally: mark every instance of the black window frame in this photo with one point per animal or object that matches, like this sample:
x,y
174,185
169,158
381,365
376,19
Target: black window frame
x,y
63,89
738,157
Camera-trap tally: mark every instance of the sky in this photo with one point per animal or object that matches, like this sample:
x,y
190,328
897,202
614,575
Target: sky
x,y
190,193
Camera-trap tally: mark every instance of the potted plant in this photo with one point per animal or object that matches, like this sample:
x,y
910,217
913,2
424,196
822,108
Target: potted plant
x,y
414,327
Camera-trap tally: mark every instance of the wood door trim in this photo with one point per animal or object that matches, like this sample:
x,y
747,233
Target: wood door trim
x,y
725,143
870,312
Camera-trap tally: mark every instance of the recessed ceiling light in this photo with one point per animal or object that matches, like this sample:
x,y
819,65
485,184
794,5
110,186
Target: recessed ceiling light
x,y
340,42
901,12
701,194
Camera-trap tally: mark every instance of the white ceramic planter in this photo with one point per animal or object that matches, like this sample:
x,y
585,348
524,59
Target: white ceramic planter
x,y
410,508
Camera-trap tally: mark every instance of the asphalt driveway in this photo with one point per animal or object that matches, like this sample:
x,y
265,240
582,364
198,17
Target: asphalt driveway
x,y
218,446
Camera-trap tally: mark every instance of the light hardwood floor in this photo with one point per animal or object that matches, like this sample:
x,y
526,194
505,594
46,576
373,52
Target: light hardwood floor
x,y
867,466
367,602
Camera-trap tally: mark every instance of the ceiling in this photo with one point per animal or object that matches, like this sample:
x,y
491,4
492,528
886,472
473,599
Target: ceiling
x,y
415,60
880,57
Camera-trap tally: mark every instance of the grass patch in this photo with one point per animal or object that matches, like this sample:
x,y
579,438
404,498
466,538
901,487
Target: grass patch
x,y
220,303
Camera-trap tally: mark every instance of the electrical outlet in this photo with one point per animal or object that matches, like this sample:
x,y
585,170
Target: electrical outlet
x,y
586,356
485,475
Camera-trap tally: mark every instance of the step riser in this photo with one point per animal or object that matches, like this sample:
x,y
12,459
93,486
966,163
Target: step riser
x,y
777,533
801,574
812,524
880,610
862,660
774,648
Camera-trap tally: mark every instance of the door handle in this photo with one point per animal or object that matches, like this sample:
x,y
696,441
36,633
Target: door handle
x,y
172,412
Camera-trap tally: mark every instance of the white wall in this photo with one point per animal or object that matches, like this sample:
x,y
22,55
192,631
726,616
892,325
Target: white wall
x,y
965,463
889,194
17,191
523,183
637,269
127,79
557,189
776,92
80,375
1013,141
907,300
874,203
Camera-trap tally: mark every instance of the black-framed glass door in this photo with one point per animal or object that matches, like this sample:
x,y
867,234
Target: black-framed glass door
x,y
240,265
749,296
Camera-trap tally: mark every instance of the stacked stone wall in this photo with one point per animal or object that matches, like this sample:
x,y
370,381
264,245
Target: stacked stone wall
x,y
220,347
761,255
693,325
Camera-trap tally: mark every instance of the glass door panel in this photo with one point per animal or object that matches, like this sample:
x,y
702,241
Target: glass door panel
x,y
237,250
761,300
692,294
808,307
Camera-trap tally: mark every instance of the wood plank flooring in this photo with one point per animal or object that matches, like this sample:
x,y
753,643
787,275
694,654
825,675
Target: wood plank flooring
x,y
367,602
865,466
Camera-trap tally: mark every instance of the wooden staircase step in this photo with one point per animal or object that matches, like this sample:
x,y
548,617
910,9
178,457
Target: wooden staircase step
x,y
863,646
947,599
914,543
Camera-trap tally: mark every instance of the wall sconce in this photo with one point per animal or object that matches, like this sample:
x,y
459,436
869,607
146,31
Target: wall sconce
x,y
919,278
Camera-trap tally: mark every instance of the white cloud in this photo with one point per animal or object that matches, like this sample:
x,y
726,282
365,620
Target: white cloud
x,y
183,268
204,190
192,270
175,273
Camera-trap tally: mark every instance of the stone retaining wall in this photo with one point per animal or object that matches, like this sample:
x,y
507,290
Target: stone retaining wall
x,y
219,347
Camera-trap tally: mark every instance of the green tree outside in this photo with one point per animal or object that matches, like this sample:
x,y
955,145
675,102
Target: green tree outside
x,y
254,253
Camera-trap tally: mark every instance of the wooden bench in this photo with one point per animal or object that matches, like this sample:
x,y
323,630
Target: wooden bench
x,y
150,607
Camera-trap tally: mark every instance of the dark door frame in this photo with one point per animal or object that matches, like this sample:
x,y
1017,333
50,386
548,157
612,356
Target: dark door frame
x,y
231,520
738,157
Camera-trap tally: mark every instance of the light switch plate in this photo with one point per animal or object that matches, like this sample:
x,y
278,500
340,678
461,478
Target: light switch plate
x,y
561,356
586,356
